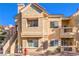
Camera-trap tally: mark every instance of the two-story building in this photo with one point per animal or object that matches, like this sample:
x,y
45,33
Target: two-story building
x,y
37,29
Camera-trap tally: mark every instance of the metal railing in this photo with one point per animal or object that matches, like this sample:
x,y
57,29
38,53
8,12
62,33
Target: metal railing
x,y
67,48
66,29
4,41
8,41
12,39
6,38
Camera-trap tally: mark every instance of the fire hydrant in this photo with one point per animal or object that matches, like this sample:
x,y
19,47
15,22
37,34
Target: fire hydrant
x,y
25,51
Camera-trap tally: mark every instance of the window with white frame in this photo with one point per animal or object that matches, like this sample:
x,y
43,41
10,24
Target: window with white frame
x,y
54,24
54,43
32,43
32,22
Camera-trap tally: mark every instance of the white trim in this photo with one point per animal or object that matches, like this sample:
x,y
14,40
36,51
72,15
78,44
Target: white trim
x,y
25,7
53,39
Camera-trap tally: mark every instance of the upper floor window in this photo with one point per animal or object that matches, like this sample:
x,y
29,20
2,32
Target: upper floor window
x,y
32,22
54,24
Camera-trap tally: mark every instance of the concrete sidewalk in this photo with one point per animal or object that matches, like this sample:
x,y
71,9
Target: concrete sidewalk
x,y
57,54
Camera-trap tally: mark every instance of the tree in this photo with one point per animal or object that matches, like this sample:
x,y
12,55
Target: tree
x,y
0,28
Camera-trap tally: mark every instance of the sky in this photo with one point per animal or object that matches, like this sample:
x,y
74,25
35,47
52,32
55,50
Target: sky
x,y
9,10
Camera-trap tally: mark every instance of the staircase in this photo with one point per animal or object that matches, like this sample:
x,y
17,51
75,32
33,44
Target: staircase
x,y
3,39
8,43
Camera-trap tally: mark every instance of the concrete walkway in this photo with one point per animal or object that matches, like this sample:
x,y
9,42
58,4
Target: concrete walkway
x,y
58,54
67,54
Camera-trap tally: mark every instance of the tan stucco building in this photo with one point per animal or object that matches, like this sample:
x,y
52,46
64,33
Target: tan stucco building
x,y
39,31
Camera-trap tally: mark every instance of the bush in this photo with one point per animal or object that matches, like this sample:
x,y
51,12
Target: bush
x,y
0,30
77,49
48,52
58,50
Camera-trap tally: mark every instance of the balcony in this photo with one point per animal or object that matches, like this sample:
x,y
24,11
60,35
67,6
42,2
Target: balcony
x,y
31,34
67,32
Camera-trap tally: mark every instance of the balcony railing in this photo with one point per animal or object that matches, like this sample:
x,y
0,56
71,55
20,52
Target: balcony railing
x,y
67,30
67,48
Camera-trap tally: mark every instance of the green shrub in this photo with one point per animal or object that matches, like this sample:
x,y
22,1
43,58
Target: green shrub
x,y
0,30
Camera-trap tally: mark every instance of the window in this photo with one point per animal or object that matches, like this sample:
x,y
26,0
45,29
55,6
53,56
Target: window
x,y
32,22
54,24
33,43
54,43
